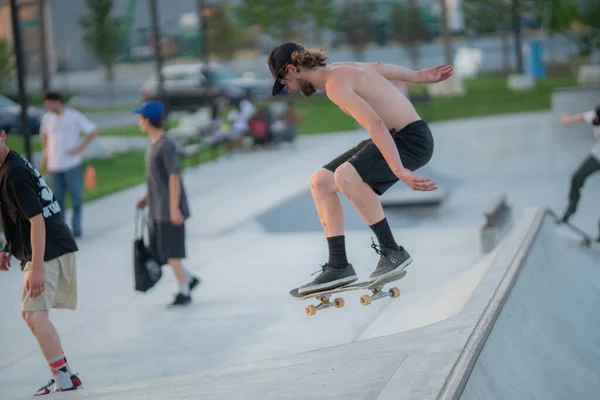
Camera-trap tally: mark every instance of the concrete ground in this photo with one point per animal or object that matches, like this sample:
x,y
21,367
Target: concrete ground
x,y
253,236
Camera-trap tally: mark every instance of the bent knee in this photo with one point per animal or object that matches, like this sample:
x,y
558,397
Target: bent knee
x,y
346,175
35,319
323,181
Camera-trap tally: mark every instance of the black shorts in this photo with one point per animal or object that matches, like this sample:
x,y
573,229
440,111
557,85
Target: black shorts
x,y
415,146
166,240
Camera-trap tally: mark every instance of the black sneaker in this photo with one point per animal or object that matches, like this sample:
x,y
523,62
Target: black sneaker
x,y
390,263
194,282
181,300
330,278
51,387
566,216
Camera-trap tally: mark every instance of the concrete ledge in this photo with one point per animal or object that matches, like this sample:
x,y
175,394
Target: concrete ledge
x,y
498,220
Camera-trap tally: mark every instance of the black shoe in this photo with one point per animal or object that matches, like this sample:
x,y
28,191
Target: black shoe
x,y
391,262
181,300
566,216
194,282
330,278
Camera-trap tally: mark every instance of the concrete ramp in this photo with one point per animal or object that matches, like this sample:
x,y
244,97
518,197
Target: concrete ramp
x,y
545,342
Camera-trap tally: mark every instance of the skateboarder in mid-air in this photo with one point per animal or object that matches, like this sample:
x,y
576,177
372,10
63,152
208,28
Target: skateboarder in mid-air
x,y
589,165
400,143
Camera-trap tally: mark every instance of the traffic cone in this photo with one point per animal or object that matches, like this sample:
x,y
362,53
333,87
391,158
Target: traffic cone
x,y
90,178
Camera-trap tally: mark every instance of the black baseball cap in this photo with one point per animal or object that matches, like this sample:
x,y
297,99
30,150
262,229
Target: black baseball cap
x,y
281,57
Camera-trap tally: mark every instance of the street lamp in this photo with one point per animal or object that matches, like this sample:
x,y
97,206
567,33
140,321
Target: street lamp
x,y
44,58
157,52
18,48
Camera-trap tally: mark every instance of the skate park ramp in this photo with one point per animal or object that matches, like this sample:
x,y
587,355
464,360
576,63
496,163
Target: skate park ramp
x,y
528,331
544,343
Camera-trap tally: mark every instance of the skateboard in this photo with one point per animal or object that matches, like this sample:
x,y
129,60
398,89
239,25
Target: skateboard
x,y
587,239
324,297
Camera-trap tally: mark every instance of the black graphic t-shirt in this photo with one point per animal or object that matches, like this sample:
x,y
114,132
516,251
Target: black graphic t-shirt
x,y
23,195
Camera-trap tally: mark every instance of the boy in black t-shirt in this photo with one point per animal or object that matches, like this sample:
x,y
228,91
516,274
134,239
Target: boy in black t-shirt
x,y
36,235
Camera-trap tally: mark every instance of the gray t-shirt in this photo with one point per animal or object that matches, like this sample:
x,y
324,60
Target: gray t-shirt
x,y
162,160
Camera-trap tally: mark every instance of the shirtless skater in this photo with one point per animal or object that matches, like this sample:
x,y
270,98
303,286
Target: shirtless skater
x,y
400,143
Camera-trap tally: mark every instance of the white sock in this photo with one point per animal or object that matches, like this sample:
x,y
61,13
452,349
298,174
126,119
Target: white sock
x,y
184,289
188,275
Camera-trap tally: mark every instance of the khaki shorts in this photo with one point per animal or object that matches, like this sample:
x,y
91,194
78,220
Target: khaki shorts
x,y
60,285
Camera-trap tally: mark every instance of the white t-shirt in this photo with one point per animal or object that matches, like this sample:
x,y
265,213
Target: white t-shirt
x,y
62,134
589,118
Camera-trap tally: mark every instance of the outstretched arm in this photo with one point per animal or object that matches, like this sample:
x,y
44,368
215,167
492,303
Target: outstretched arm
x,y
570,119
393,72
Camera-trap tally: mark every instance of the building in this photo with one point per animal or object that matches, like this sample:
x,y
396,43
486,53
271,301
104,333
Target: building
x,y
64,34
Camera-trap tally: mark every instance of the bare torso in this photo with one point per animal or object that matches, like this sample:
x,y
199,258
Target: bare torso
x,y
382,95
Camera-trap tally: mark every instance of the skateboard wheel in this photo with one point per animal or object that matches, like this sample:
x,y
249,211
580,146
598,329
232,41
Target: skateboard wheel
x,y
395,292
365,300
310,310
587,243
339,302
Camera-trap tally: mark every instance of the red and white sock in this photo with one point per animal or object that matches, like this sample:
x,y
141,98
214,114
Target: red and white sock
x,y
60,372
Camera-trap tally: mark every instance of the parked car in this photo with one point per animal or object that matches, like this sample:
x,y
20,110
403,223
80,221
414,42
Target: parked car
x,y
10,117
188,87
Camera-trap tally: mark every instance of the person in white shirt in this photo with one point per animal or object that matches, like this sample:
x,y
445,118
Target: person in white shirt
x,y
60,134
590,165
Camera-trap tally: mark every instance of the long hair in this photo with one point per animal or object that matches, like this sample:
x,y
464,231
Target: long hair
x,y
310,58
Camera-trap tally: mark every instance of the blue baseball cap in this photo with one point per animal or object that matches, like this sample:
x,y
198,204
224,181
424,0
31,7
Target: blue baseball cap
x,y
151,110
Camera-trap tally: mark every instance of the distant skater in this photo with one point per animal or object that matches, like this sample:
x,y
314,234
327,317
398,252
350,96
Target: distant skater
x,y
400,143
589,166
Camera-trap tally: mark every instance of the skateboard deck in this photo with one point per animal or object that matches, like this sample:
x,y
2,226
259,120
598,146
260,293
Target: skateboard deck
x,y
325,295
587,239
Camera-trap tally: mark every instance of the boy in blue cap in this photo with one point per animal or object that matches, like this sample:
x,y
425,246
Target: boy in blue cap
x,y
165,198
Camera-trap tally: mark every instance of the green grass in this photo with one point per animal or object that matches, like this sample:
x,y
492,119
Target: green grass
x,y
130,130
127,170
108,109
485,96
16,142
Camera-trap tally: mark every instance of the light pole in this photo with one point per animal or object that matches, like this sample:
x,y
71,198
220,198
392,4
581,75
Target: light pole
x,y
157,53
200,4
18,48
44,61
516,20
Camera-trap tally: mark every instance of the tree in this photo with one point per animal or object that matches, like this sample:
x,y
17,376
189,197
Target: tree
x,y
321,13
7,65
102,33
283,19
589,18
445,32
556,17
489,16
355,22
409,29
224,36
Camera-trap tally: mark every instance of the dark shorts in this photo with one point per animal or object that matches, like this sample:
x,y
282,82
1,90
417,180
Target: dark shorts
x,y
415,146
166,240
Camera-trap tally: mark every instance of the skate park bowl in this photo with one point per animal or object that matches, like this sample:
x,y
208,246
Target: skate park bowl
x,y
244,337
528,331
